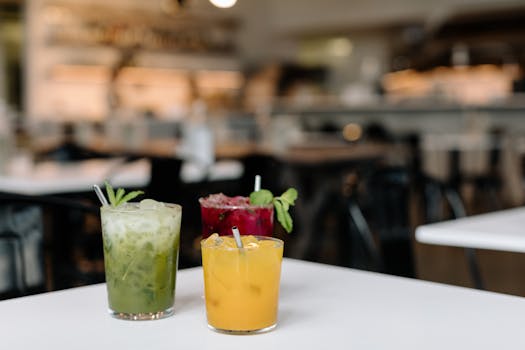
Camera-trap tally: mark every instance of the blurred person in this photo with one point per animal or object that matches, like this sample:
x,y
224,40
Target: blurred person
x,y
69,150
197,147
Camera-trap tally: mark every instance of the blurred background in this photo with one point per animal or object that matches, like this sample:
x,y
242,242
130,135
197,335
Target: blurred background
x,y
384,114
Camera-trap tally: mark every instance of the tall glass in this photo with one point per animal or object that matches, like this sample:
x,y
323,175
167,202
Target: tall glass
x,y
242,285
219,213
141,249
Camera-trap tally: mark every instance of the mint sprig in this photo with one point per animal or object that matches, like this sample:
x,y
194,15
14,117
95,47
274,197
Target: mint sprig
x,y
281,204
120,197
261,197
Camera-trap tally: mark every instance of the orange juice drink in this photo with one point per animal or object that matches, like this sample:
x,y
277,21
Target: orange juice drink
x,y
242,285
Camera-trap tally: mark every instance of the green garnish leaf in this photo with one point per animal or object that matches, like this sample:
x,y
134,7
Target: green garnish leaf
x,y
111,194
281,204
283,216
289,196
261,197
130,196
121,197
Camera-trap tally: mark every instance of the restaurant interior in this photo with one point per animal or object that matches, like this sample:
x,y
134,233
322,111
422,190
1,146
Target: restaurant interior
x,y
383,115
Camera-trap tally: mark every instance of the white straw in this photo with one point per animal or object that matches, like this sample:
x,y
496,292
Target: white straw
x,y
237,236
100,195
257,186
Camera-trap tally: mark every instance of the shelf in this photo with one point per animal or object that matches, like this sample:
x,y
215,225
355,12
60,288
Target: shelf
x,y
144,76
97,25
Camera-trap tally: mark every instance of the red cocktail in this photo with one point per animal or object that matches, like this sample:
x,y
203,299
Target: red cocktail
x,y
219,213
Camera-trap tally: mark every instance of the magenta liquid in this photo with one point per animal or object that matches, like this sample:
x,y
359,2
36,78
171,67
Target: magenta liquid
x,y
219,213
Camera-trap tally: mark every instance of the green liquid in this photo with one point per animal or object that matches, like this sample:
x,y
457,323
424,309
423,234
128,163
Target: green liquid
x,y
141,264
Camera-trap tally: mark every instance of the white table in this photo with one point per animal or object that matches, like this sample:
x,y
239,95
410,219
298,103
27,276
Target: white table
x,y
502,230
320,306
54,177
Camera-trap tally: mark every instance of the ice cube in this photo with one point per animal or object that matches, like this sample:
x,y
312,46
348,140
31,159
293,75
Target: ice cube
x,y
251,245
149,204
246,240
148,226
229,242
267,243
114,227
213,240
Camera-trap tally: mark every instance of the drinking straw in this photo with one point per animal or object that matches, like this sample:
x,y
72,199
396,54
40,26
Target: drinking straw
x,y
237,236
257,186
100,195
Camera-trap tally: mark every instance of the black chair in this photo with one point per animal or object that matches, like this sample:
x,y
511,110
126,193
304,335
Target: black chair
x,y
21,240
438,192
385,200
165,183
329,225
13,280
49,243
365,245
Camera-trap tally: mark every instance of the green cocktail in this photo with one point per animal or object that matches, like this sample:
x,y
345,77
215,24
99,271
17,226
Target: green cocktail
x,y
141,249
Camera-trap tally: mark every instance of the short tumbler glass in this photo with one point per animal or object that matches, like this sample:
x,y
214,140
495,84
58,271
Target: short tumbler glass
x,y
141,249
242,285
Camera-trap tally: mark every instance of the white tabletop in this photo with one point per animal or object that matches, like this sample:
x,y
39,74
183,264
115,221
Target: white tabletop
x,y
54,177
502,230
320,305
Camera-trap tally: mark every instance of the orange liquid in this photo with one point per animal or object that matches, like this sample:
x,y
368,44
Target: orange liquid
x,y
242,288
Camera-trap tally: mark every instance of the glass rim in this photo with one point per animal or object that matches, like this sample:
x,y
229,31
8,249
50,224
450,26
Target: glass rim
x,y
124,208
233,206
279,241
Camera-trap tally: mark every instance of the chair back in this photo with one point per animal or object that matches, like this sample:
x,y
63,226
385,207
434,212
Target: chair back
x,y
42,240
21,249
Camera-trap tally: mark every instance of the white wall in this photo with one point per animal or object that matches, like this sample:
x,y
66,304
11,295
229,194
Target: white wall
x,y
308,15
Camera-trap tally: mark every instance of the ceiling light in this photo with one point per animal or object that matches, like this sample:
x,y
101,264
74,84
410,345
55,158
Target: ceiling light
x,y
223,4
